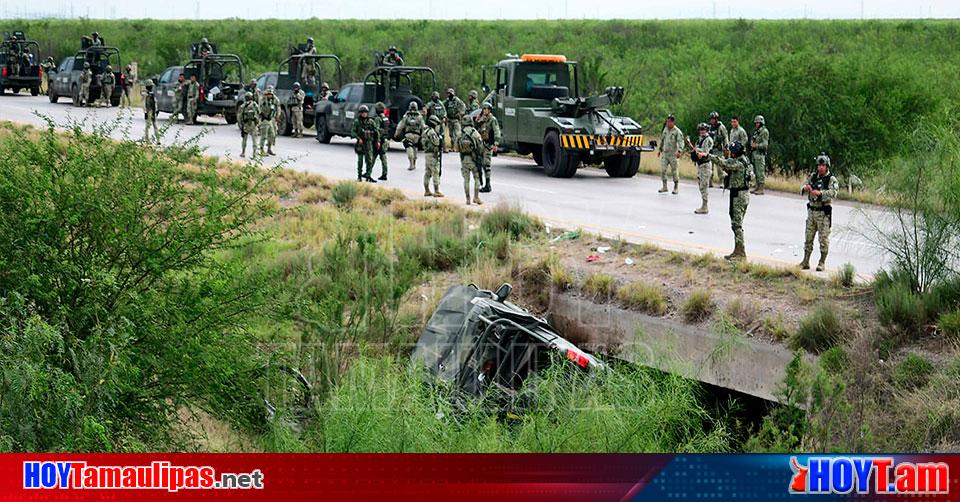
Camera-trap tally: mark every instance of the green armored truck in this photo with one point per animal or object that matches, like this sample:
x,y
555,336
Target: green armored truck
x,y
536,98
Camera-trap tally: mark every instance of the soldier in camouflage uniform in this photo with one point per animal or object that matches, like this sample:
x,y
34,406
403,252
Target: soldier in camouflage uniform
x,y
269,111
821,188
393,57
125,85
86,77
432,151
435,107
47,65
296,109
471,158
738,134
456,109
410,129
250,123
150,112
367,134
718,132
252,88
671,144
383,124
701,156
193,98
738,173
473,103
759,143
204,48
325,93
107,81
178,93
490,132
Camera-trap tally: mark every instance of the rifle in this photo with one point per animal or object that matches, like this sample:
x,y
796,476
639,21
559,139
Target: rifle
x,y
440,153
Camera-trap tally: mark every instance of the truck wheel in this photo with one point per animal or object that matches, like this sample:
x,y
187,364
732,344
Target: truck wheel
x,y
323,132
231,118
284,126
557,162
538,156
16,90
622,166
34,91
115,101
2,89
52,95
75,93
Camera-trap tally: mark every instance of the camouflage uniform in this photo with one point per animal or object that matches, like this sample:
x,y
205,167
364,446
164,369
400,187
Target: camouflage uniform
x,y
410,129
760,141
718,132
367,134
739,134
383,124
86,76
193,97
308,71
296,110
432,150
269,111
324,93
435,107
671,143
739,173
393,58
456,109
490,132
819,213
704,171
473,104
47,65
471,159
178,100
107,81
250,121
125,86
150,113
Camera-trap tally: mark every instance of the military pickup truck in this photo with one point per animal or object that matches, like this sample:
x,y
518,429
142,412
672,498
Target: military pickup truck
x,y
65,78
20,69
292,70
221,85
395,86
537,100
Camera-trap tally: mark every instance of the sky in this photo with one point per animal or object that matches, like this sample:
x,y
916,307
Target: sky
x,y
484,9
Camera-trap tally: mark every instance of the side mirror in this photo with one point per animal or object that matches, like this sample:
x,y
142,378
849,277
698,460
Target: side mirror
x,y
503,292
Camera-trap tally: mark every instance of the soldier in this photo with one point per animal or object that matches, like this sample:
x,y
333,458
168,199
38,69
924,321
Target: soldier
x,y
86,76
738,134
250,123
411,128
718,132
295,105
95,39
490,132
436,107
252,88
205,48
393,57
456,109
324,92
107,80
471,158
193,97
738,173
308,69
432,151
47,65
150,112
311,49
126,83
473,103
269,110
178,95
821,188
758,146
700,156
383,124
671,144
367,134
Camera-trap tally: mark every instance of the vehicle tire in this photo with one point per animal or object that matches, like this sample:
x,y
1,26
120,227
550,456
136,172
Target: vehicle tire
x,y
2,89
557,162
405,105
52,95
323,132
115,101
231,118
284,127
34,91
622,166
538,156
16,90
75,94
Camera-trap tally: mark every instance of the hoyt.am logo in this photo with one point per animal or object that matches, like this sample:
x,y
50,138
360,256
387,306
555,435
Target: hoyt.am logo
x,y
870,475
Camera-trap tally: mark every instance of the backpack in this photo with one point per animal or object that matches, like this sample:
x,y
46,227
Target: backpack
x,y
466,142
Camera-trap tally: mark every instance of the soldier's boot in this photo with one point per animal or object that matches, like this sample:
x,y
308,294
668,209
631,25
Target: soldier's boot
x,y
486,188
663,189
758,190
676,188
436,192
383,176
805,264
737,254
427,192
476,200
412,157
821,266
270,150
703,208
467,193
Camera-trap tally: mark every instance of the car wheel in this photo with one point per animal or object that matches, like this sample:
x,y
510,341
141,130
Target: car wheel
x,y
284,126
52,95
622,166
16,90
231,118
538,156
115,101
75,93
2,89
558,162
323,133
34,91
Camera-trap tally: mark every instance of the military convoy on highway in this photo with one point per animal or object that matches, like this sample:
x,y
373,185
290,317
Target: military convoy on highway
x,y
65,78
221,83
20,69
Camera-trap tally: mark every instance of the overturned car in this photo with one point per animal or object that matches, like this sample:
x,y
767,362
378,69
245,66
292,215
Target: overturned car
x,y
477,340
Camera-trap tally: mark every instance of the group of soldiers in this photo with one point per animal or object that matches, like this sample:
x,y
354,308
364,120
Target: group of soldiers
x,y
16,57
258,117
738,161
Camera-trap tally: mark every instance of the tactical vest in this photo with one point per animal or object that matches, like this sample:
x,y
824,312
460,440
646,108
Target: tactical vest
x,y
249,113
268,109
820,183
693,153
467,141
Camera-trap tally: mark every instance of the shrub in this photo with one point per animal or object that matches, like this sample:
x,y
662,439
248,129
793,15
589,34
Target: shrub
x,y
900,309
949,324
846,275
834,360
698,306
444,245
511,220
913,372
344,193
600,286
742,313
943,297
819,330
644,297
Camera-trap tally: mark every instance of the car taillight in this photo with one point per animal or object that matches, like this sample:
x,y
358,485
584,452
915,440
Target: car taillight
x,y
386,113
578,357
40,72
202,97
4,72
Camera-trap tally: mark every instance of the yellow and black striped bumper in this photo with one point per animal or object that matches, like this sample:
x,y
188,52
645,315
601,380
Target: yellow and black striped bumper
x,y
594,142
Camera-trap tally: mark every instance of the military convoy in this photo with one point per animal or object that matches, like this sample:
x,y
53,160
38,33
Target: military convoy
x,y
20,69
65,78
221,83
310,72
537,100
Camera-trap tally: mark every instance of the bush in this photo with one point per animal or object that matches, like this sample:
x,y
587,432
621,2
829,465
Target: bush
x,y
444,245
846,275
943,297
899,308
510,220
600,286
344,193
819,330
913,372
835,360
949,324
644,297
698,306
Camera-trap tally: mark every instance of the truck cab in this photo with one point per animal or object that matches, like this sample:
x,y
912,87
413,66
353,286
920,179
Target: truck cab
x,y
65,80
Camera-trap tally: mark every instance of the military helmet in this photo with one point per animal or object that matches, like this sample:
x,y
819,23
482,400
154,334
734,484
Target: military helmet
x,y
204,40
248,96
435,95
364,109
269,90
96,34
253,81
702,126
451,92
823,159
736,149
433,120
325,86
466,121
310,40
759,119
393,48
296,85
714,115
380,106
86,65
486,104
670,116
109,68
473,94
149,83
413,106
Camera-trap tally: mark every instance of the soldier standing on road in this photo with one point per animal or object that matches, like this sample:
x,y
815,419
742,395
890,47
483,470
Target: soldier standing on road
x,y
86,76
150,112
178,95
107,80
701,156
473,103
295,104
411,128
367,134
126,83
737,179
455,110
821,188
671,144
739,134
383,125
718,132
193,97
47,65
758,147
471,158
324,92
490,132
432,151
269,111
253,89
436,107
250,123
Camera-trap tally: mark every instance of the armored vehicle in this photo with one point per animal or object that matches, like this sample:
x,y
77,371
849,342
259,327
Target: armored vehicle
x,y
21,69
65,79
297,68
536,98
221,85
395,86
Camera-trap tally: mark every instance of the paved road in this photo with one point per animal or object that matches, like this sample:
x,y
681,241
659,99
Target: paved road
x,y
630,208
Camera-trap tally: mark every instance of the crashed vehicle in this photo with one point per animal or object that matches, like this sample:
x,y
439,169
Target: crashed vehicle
x,y
478,341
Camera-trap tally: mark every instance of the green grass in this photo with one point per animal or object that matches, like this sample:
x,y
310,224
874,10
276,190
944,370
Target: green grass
x,y
845,275
913,372
510,220
698,307
643,297
344,193
949,324
819,330
600,286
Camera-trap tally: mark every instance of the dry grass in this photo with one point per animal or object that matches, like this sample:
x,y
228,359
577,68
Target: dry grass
x,y
602,287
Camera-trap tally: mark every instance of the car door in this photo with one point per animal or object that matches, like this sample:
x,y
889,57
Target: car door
x,y
351,107
61,81
339,107
166,88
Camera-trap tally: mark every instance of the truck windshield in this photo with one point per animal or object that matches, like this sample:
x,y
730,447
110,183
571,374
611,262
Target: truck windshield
x,y
529,76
